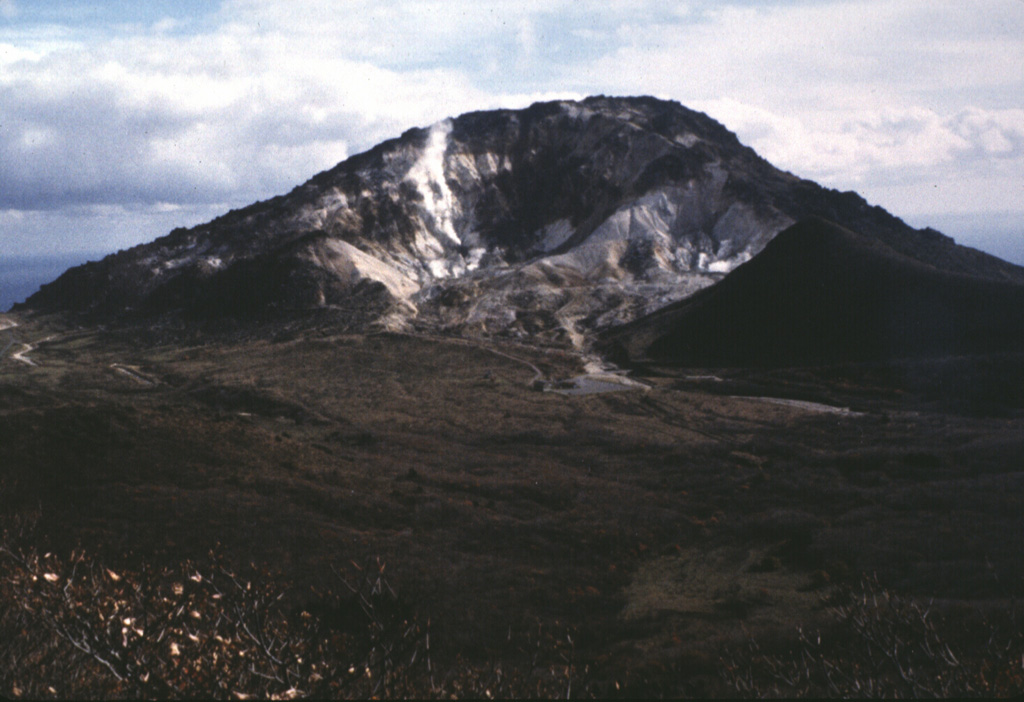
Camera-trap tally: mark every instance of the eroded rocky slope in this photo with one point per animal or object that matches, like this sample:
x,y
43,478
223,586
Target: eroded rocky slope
x,y
547,222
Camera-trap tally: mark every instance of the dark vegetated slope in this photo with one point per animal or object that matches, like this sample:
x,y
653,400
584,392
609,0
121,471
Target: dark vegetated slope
x,y
804,199
820,293
281,279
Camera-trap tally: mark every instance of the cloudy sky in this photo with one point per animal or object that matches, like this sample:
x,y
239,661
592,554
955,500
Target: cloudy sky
x,y
120,120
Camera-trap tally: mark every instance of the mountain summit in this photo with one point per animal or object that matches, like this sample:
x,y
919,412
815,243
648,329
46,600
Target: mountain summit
x,y
548,222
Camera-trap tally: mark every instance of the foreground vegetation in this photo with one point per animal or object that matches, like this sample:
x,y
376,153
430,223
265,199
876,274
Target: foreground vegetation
x,y
75,627
669,542
882,644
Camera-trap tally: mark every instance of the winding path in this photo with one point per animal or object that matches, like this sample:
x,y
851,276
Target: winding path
x,y
462,341
21,355
597,377
29,348
22,358
8,323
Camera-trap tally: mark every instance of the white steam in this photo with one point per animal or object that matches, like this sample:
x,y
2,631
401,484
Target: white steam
x,y
427,174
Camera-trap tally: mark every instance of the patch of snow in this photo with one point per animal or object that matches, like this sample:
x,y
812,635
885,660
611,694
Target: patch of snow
x,y
686,140
708,263
727,265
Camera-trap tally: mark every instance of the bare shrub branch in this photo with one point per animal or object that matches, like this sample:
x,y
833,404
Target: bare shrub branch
x,y
73,627
883,645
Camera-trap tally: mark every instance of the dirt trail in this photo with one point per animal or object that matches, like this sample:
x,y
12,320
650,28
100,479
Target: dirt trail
x,y
538,373
134,373
599,376
8,323
21,356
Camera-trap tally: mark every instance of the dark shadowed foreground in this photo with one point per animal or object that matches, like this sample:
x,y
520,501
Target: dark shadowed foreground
x,y
632,542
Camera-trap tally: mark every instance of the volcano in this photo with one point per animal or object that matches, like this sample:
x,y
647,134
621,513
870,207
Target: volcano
x,y
548,224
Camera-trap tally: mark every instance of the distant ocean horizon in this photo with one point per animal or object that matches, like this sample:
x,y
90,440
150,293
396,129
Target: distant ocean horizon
x,y
21,276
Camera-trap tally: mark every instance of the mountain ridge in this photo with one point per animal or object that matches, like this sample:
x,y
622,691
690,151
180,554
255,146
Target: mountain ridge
x,y
548,222
822,294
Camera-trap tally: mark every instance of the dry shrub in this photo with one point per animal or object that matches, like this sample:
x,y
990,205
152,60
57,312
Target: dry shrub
x,y
886,645
72,627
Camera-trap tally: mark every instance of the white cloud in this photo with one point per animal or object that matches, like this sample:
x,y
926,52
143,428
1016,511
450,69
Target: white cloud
x,y
881,97
203,119
911,160
854,145
272,95
91,230
843,54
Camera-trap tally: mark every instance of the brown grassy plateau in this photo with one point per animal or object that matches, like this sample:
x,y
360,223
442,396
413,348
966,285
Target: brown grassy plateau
x,y
653,526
